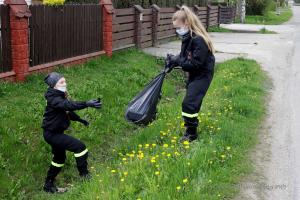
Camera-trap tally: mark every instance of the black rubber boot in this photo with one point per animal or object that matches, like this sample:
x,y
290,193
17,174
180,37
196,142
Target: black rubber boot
x,y
50,187
190,134
82,165
86,177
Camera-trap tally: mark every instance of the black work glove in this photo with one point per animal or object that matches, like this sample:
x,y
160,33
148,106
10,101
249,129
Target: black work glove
x,y
94,103
84,122
171,62
174,60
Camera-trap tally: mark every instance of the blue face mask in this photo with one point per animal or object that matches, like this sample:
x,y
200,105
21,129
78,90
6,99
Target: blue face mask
x,y
182,31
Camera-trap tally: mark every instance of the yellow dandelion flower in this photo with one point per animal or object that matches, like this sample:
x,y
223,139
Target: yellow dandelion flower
x,y
186,147
125,173
173,141
124,159
131,155
113,171
163,133
223,156
188,163
147,145
175,137
157,173
165,145
168,154
122,180
186,142
140,145
185,180
176,153
209,181
157,166
228,148
182,125
178,188
153,160
153,145
140,156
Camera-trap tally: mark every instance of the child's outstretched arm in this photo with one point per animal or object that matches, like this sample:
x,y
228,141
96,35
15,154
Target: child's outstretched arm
x,y
69,105
74,117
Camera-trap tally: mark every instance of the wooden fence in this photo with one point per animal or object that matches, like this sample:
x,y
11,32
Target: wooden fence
x,y
227,15
57,33
147,27
73,33
5,55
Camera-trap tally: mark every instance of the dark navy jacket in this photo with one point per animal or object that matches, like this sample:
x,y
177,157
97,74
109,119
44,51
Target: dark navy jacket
x,y
195,57
59,111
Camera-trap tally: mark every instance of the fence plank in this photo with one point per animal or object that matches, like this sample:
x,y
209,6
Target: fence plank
x,y
57,33
5,47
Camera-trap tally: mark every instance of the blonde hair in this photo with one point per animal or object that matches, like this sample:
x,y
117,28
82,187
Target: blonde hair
x,y
194,24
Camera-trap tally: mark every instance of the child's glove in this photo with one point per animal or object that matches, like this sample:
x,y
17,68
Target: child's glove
x,y
84,122
171,62
94,103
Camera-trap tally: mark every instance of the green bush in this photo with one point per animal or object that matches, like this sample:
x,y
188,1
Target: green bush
x,y
259,7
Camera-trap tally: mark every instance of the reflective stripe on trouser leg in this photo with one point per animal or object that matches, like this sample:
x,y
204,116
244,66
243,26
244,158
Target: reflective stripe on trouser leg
x,y
57,164
184,114
77,155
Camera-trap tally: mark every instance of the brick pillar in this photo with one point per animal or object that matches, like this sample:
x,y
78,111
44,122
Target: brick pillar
x,y
155,22
19,14
138,25
107,22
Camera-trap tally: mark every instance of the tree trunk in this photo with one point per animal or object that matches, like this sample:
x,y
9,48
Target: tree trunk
x,y
241,10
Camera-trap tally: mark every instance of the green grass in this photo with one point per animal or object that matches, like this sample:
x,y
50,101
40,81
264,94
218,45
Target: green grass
x,y
271,18
230,119
219,29
266,31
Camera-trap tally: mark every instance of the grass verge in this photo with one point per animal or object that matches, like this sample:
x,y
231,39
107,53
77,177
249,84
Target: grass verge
x,y
271,18
130,162
219,29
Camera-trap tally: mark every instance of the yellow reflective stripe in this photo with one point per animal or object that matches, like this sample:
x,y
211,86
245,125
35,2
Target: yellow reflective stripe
x,y
189,115
81,153
56,164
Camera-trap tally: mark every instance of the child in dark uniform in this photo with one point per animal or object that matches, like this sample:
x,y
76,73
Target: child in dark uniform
x,y
58,113
196,58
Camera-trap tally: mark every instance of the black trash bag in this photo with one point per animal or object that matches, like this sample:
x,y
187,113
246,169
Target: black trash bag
x,y
142,109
